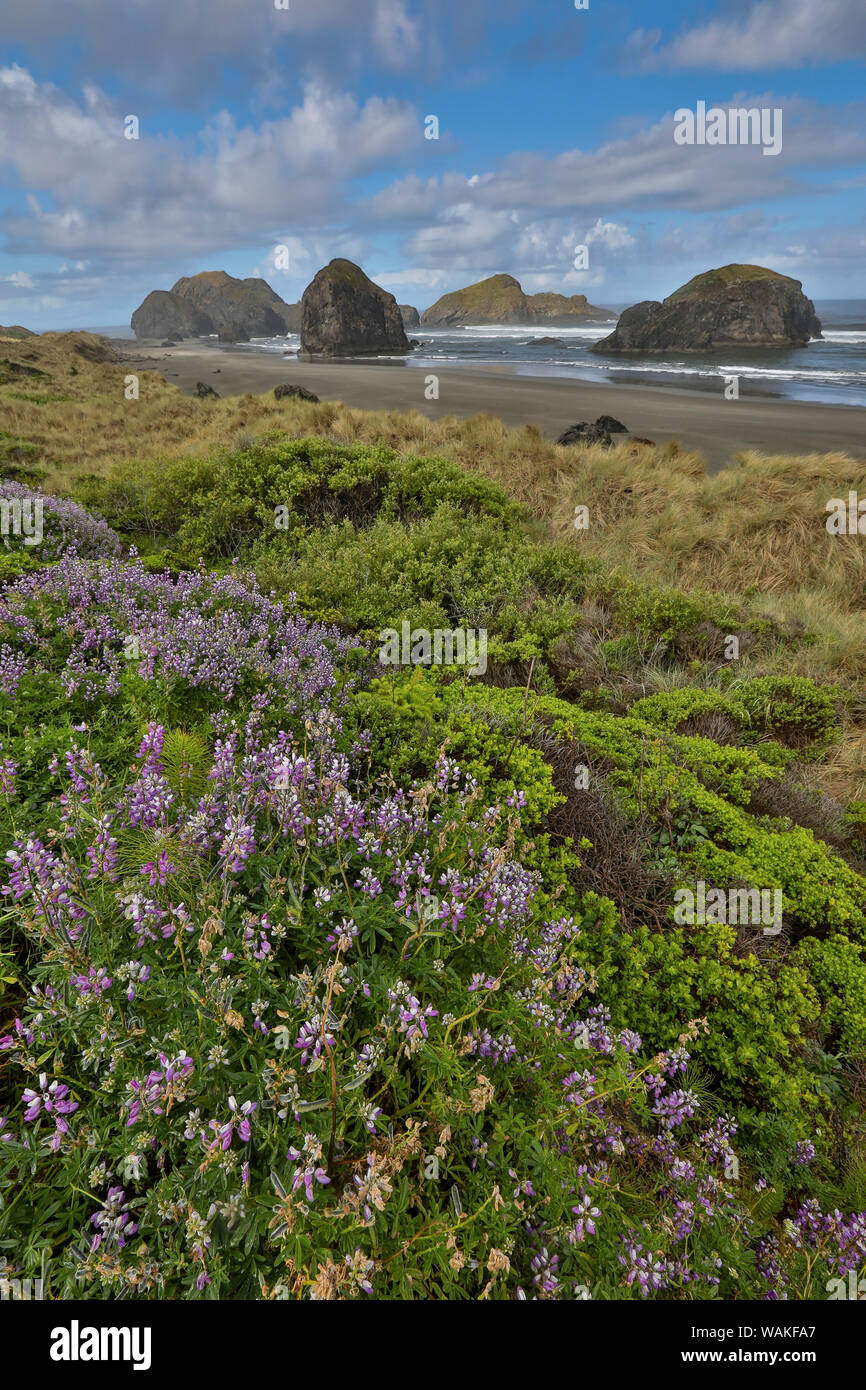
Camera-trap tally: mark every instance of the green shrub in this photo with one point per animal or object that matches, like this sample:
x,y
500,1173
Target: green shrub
x,y
667,613
791,708
671,708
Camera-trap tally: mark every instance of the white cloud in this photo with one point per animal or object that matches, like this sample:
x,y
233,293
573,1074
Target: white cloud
x,y
164,196
772,34
395,35
177,49
134,209
462,235
641,172
610,235
416,278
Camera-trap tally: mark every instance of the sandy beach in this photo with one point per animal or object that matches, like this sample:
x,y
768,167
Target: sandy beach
x,y
699,420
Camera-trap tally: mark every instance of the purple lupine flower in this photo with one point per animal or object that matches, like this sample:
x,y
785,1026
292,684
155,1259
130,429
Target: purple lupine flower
x,y
343,937
481,981
114,1223
238,843
162,1087
309,1166
238,1122
675,1108
585,1223
310,1041
649,1270
411,1014
50,1099
8,771
804,1152
158,872
95,982
544,1277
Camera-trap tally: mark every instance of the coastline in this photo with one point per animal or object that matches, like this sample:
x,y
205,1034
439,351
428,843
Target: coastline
x,y
707,423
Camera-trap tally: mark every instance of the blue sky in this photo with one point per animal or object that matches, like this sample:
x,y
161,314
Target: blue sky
x,y
304,127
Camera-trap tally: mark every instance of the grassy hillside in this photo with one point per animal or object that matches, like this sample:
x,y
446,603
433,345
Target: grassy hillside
x,y
753,533
355,979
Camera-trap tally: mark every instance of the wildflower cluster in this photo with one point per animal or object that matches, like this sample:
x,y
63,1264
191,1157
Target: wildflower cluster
x,y
261,1019
89,622
56,527
288,1028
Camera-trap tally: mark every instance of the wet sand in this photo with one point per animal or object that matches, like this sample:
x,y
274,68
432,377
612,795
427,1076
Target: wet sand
x,y
700,420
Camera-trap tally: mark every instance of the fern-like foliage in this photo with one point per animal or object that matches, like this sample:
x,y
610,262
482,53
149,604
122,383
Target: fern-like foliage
x,y
186,758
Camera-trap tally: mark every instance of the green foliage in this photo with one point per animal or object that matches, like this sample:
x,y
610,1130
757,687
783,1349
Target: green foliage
x,y
666,613
791,708
186,758
16,562
837,967
670,708
217,509
699,793
410,697
756,1020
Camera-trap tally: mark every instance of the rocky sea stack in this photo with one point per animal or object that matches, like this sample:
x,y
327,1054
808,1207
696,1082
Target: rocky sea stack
x,y
736,306
500,299
344,314
410,316
215,302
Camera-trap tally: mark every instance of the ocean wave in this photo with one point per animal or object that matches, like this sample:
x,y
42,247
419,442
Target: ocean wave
x,y
591,330
290,343
654,366
848,336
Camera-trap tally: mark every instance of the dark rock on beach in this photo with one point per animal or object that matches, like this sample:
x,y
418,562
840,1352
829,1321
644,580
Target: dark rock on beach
x,y
736,306
281,392
202,389
585,433
598,433
344,314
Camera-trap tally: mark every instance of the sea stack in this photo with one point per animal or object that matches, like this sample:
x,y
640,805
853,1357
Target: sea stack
x,y
735,306
344,314
215,302
500,299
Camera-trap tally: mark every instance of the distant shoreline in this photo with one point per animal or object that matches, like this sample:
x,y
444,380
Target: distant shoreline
x,y
699,420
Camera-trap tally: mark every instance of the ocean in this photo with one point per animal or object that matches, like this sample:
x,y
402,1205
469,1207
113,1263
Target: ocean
x,y
830,370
